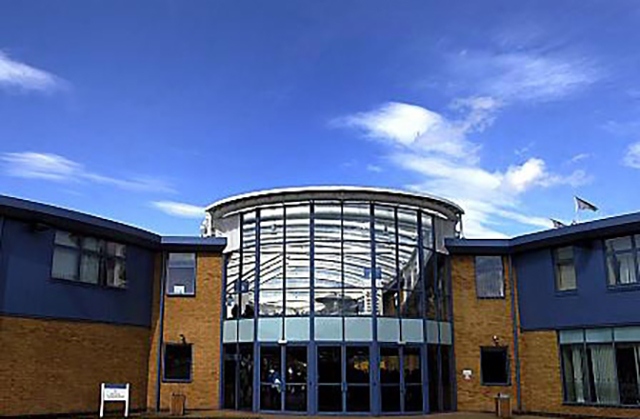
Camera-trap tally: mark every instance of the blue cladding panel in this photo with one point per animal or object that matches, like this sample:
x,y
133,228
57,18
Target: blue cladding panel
x,y
593,304
28,290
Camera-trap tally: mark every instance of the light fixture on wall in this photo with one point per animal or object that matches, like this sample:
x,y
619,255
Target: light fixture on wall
x,y
496,340
183,339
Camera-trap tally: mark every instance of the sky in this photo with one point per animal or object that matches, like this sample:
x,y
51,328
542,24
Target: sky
x,y
147,111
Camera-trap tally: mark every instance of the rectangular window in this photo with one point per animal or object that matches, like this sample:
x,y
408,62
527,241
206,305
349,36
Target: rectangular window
x,y
89,260
565,269
494,365
177,362
489,277
181,274
622,261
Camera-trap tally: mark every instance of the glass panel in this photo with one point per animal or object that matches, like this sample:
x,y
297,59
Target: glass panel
x,y
95,245
602,363
489,277
233,272
618,244
298,223
270,377
65,263
357,264
444,299
271,267
357,222
329,398
249,229
357,398
298,265
245,374
66,239
329,364
358,364
434,390
390,398
575,373
298,303
389,302
329,302
247,305
431,283
408,262
410,303
412,365
407,227
389,365
564,254
621,268
270,397
358,301
386,265
628,371
90,269
229,376
427,230
413,399
296,365
271,225
327,264
566,277
385,224
179,280
494,365
232,306
271,302
120,250
327,222
177,362
116,273
296,398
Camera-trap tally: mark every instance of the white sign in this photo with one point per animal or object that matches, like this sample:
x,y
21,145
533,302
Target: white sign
x,y
467,374
114,393
179,289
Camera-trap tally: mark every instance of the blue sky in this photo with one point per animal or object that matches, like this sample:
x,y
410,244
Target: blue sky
x,y
145,112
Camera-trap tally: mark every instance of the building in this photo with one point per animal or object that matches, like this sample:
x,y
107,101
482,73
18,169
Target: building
x,y
318,300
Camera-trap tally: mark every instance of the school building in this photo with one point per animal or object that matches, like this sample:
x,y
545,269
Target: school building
x,y
319,301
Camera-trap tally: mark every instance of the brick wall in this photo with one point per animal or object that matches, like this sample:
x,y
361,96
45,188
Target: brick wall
x,y
198,319
55,366
476,321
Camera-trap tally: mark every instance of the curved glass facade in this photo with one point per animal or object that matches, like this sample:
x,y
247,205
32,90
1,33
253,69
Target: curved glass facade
x,y
336,306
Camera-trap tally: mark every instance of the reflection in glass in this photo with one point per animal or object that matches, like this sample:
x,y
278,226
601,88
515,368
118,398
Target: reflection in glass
x,y
271,384
356,222
296,378
331,302
271,266
358,364
357,264
357,302
427,230
327,222
329,378
249,229
385,224
327,264
245,377
271,225
407,227
229,366
271,303
298,223
297,303
298,264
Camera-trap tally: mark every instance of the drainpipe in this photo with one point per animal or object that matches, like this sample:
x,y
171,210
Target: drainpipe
x,y
161,337
516,348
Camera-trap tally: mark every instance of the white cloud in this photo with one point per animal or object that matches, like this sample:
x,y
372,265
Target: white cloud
x,y
453,170
14,74
632,156
374,168
179,209
526,75
53,167
578,157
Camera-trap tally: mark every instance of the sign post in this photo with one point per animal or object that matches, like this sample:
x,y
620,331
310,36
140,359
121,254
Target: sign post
x,y
114,393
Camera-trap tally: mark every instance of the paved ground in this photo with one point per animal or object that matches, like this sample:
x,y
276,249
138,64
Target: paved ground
x,y
249,415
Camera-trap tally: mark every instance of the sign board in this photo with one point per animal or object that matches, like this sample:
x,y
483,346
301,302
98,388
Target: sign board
x,y
179,289
114,393
467,374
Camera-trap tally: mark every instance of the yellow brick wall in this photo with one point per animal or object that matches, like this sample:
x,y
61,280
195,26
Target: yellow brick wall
x,y
198,319
476,321
56,366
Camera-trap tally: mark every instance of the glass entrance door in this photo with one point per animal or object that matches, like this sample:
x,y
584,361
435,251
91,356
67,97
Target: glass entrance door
x,y
344,379
283,378
400,379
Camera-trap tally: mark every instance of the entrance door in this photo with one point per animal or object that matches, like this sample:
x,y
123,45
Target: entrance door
x,y
400,379
344,379
238,376
283,378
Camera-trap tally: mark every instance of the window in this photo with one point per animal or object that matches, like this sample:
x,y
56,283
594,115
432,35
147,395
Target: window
x,y
89,260
489,277
494,366
622,262
177,362
601,366
181,274
565,270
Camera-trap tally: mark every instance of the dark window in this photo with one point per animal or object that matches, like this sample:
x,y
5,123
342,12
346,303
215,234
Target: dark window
x,y
89,260
181,274
494,365
177,362
622,261
565,269
489,277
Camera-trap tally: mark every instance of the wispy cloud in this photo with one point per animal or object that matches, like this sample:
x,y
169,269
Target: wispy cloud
x,y
374,168
179,209
56,168
578,158
17,75
632,156
525,75
449,162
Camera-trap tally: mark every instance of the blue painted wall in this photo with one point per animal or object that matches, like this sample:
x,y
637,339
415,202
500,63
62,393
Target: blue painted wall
x,y
593,304
27,289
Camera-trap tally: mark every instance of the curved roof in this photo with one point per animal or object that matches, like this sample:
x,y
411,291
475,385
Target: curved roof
x,y
235,203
